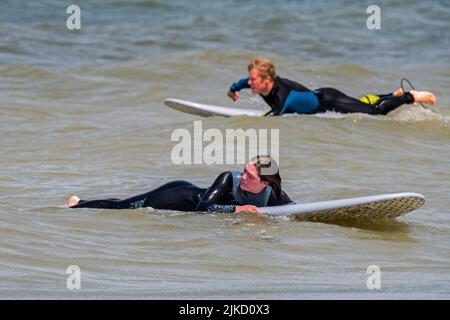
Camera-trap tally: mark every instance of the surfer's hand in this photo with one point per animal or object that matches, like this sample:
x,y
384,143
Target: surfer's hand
x,y
247,208
233,95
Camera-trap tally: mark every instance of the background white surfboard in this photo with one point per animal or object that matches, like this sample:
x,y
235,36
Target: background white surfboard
x,y
374,207
207,110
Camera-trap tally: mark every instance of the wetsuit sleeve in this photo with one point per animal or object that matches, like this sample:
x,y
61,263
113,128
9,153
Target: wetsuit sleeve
x,y
221,208
304,102
222,186
241,84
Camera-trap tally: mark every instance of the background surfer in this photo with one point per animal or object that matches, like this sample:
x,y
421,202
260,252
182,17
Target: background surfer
x,y
286,96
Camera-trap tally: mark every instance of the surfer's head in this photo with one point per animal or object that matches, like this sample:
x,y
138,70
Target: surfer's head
x,y
260,172
261,75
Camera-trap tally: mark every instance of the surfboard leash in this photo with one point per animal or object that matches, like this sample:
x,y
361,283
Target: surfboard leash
x,y
412,87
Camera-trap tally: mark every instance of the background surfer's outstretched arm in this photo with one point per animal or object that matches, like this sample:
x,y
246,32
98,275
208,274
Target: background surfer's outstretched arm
x,y
233,93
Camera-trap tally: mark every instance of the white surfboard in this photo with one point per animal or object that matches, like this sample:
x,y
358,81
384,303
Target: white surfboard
x,y
208,110
383,206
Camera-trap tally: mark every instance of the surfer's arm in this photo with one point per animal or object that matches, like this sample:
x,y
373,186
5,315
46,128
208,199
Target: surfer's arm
x,y
222,186
241,84
233,92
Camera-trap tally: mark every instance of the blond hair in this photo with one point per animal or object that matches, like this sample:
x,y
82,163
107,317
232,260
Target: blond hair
x,y
265,67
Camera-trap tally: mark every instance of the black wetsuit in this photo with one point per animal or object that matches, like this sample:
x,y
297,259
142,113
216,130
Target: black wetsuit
x,y
288,96
184,196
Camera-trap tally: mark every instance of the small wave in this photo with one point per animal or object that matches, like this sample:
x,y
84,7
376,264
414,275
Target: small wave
x,y
76,128
346,69
24,112
10,49
147,4
219,56
284,20
419,114
130,72
135,4
144,42
25,71
409,115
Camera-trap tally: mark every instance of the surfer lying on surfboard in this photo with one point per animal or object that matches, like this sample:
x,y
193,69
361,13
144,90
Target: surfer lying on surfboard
x,y
259,185
286,96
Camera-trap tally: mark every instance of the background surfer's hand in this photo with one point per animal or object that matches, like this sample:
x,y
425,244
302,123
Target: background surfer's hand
x,y
233,95
247,208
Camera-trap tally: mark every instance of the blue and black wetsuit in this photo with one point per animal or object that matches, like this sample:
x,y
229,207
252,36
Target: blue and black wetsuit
x,y
288,96
222,196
